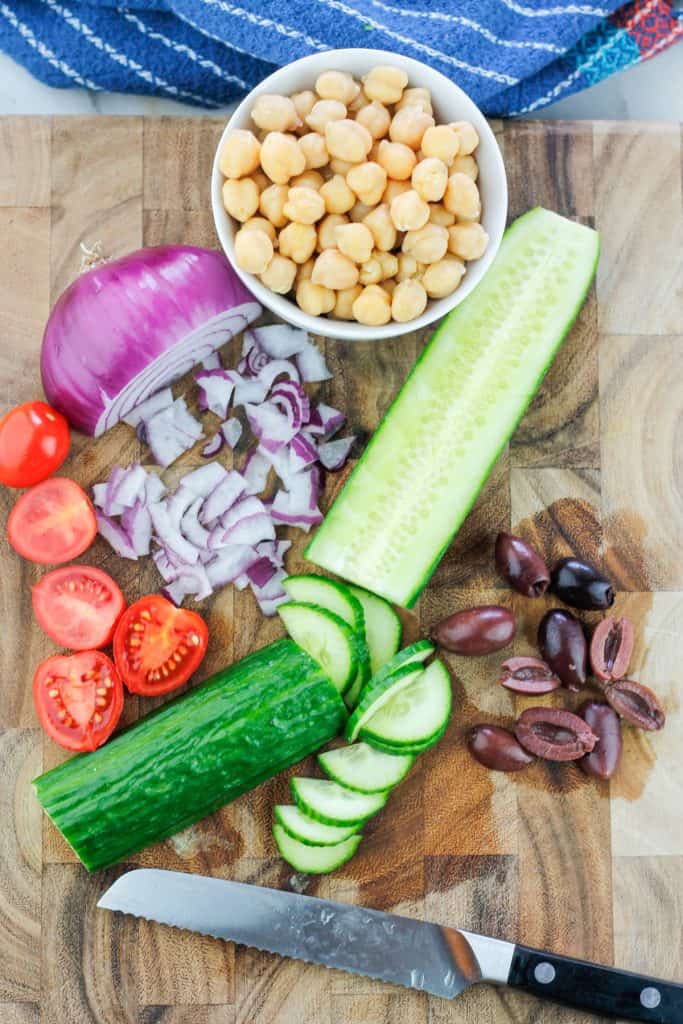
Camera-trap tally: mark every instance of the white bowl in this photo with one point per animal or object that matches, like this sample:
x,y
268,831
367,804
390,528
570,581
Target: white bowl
x,y
450,104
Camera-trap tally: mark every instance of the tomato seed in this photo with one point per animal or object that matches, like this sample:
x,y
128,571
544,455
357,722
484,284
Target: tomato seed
x,y
138,627
144,614
101,691
97,717
182,649
100,702
61,714
53,693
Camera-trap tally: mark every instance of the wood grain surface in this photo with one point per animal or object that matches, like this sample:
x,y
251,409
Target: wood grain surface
x,y
549,857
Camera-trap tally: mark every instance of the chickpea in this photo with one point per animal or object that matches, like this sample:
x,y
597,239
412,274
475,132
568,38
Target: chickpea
x,y
381,226
309,179
298,241
389,286
409,125
337,85
303,104
385,83
327,238
468,241
313,147
429,179
279,275
373,306
253,251
354,241
275,114
314,299
408,301
416,97
373,152
337,195
304,205
462,197
393,189
347,140
467,135
359,211
428,244
438,214
370,272
281,157
409,212
397,159
343,307
443,277
360,101
240,197
388,263
271,204
240,154
304,270
260,224
323,112
376,118
407,267
334,270
441,142
368,181
466,165
261,180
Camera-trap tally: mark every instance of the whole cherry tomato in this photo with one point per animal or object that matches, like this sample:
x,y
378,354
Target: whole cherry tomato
x,y
34,441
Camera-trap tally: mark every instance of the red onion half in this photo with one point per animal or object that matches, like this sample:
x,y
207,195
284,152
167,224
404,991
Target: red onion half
x,y
127,328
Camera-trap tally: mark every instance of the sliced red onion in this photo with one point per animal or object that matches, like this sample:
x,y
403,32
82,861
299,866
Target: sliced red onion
x,y
302,452
145,410
255,471
312,365
170,537
191,528
213,361
271,428
192,580
130,487
202,481
223,497
261,571
215,390
229,564
115,535
137,524
126,329
333,454
290,397
251,530
325,421
178,504
231,431
278,368
172,432
279,341
155,488
213,447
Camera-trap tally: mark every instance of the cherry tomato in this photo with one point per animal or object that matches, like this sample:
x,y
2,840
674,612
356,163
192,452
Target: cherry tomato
x,y
34,441
157,646
53,522
78,606
78,698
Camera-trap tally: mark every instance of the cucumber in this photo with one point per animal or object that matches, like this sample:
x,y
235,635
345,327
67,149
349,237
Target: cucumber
x,y
415,717
353,693
415,652
421,472
313,860
325,637
383,627
194,754
309,831
361,768
334,804
376,694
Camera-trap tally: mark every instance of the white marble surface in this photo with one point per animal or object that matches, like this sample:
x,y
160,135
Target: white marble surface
x,y
649,91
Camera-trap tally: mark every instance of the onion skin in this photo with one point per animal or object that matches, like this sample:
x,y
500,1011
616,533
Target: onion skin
x,y
116,319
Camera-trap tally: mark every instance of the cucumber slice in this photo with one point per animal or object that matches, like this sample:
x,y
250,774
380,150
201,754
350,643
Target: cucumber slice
x,y
383,627
313,860
397,749
416,652
354,691
361,768
376,694
309,831
325,637
415,716
425,465
334,804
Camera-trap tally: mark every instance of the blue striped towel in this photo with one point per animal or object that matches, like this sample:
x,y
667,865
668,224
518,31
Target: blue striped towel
x,y
511,56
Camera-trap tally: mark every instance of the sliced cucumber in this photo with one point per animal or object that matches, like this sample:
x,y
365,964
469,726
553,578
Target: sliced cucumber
x,y
417,652
354,691
309,831
396,749
376,694
383,627
325,637
419,476
334,804
313,860
361,768
415,716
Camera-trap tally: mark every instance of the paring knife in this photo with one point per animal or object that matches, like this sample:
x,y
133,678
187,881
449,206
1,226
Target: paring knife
x,y
429,957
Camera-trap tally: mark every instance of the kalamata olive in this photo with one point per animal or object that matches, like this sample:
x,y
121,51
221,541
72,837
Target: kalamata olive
x,y
604,722
554,734
477,630
611,648
581,585
497,749
562,642
528,675
636,703
521,566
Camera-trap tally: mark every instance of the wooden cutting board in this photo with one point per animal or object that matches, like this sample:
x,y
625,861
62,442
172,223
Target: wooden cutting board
x,y
548,857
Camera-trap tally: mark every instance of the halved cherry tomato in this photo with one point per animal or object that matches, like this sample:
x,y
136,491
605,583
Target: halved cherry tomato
x,y
157,646
78,606
53,522
78,698
34,441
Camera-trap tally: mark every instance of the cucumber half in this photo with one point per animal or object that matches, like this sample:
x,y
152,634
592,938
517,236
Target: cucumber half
x,y
313,860
415,717
325,637
383,627
364,769
376,694
334,804
425,465
309,831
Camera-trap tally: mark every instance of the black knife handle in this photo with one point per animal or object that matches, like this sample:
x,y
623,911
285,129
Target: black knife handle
x,y
588,986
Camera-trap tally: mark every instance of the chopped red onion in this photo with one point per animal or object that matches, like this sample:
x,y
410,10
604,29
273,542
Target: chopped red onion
x,y
212,447
270,426
333,454
231,431
215,390
145,410
241,582
248,390
302,452
202,481
213,361
229,564
285,509
290,397
278,368
261,571
274,550
248,506
172,432
191,528
251,530
253,357
312,365
116,536
110,507
191,580
270,596
279,341
325,421
170,537
178,504
223,497
255,471
155,488
167,566
137,524
130,487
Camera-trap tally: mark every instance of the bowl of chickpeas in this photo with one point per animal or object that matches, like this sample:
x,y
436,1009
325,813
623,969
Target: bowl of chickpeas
x,y
359,194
